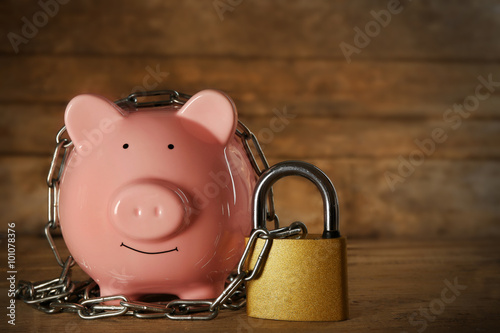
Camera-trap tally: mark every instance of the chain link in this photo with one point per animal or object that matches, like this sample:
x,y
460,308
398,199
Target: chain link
x,y
63,295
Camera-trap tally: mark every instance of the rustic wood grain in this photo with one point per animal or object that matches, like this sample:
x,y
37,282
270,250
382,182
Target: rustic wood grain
x,y
390,282
442,198
27,129
23,194
355,120
306,87
423,30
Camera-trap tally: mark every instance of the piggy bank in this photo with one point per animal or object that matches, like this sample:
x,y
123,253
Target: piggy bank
x,y
156,200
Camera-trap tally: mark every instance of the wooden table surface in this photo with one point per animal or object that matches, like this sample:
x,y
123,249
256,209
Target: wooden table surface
x,y
394,286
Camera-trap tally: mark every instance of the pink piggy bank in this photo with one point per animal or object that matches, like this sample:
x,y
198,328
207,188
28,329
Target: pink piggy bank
x,y
156,201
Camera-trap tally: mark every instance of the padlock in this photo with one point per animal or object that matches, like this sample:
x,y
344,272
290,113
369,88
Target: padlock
x,y
302,279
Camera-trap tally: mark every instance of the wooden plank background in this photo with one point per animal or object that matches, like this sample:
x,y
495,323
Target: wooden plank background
x,y
355,119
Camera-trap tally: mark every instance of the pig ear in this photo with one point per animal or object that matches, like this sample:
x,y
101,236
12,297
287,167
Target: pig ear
x,y
89,117
213,111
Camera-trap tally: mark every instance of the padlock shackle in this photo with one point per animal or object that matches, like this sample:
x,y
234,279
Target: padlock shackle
x,y
308,171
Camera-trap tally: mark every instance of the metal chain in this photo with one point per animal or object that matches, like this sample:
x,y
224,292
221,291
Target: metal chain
x,y
63,295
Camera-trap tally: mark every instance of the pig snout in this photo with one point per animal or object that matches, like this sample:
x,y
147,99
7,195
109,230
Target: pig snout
x,y
150,210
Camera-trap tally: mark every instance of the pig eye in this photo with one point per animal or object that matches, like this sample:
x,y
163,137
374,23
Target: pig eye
x,y
170,146
125,146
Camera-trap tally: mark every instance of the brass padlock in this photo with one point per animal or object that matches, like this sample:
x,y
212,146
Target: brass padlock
x,y
302,279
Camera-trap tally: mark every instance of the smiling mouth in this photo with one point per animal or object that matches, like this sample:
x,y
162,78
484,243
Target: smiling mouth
x,y
131,248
